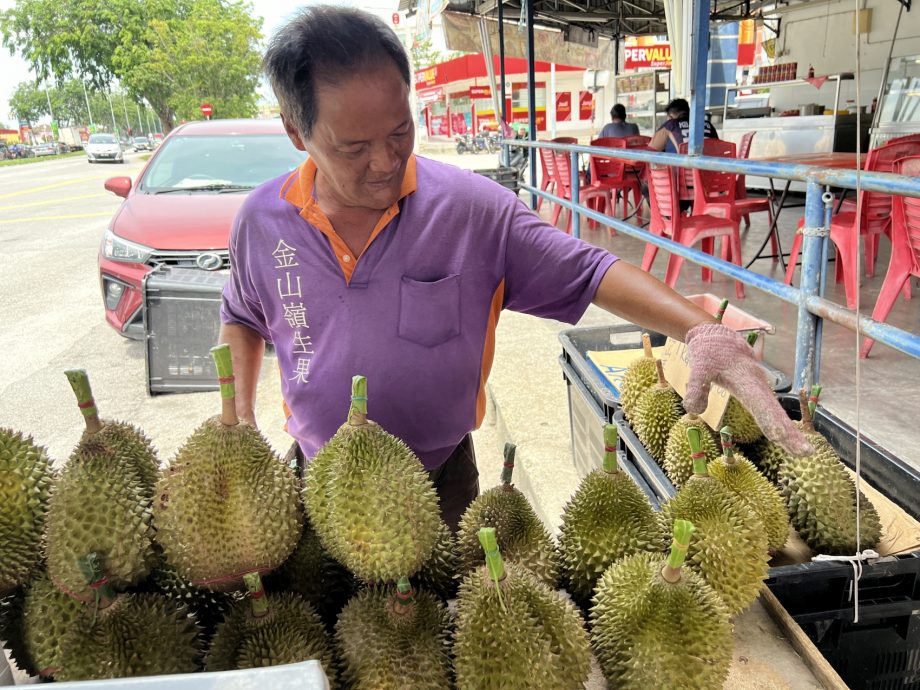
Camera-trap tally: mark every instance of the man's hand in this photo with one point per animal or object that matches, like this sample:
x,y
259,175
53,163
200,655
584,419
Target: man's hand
x,y
720,355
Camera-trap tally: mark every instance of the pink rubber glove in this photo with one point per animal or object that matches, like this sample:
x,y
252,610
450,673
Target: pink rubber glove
x,y
720,355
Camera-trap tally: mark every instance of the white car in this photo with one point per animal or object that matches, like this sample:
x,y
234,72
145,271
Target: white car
x,y
104,147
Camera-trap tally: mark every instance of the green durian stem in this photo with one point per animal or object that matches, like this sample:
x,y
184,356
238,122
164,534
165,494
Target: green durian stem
x,y
728,445
79,381
357,413
647,345
508,465
493,555
659,367
223,360
611,466
813,400
807,421
91,567
695,438
405,597
679,545
752,338
258,604
721,313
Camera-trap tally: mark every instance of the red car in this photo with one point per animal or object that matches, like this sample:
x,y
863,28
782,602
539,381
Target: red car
x,y
179,211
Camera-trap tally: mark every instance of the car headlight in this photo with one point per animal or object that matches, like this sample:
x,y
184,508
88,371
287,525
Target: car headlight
x,y
118,249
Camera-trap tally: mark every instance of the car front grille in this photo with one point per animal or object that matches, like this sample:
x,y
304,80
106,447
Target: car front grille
x,y
187,259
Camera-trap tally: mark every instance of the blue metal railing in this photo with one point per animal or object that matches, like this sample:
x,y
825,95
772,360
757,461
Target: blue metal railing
x,y
812,307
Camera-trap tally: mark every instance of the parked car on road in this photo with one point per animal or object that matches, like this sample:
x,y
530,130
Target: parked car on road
x,y
180,209
142,144
47,149
104,147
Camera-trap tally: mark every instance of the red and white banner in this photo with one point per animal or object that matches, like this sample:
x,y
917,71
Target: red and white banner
x,y
585,105
563,106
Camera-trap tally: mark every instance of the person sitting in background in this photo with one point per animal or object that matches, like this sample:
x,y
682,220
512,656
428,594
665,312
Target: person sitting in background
x,y
618,126
674,132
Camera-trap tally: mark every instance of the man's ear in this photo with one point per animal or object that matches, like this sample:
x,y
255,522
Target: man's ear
x,y
293,134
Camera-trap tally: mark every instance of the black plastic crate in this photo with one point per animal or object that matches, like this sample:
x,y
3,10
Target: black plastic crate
x,y
506,176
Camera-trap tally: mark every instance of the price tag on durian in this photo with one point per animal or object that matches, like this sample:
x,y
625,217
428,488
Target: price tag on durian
x,y
676,361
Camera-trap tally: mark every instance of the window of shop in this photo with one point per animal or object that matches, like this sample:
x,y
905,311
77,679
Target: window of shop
x,y
461,114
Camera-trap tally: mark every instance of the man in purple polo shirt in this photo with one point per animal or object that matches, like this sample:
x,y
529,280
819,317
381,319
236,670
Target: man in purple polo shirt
x,y
370,260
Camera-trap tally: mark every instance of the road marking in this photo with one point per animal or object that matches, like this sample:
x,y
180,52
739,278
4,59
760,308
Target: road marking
x,y
54,185
107,214
56,200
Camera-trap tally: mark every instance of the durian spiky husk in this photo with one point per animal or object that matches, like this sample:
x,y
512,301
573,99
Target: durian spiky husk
x,y
291,631
98,505
133,448
48,616
225,506
744,426
438,574
657,411
821,502
677,462
384,647
640,375
517,634
729,546
768,457
649,633
11,631
137,635
359,490
608,518
25,486
753,490
208,607
521,535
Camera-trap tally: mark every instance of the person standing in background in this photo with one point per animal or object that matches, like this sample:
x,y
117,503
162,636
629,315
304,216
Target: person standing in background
x,y
618,126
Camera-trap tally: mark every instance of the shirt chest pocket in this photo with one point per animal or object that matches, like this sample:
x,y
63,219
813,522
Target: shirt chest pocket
x,y
429,311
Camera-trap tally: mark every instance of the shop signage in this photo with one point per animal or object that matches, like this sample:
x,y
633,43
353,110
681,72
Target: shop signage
x,y
563,106
396,18
426,77
585,105
747,42
480,92
647,54
431,95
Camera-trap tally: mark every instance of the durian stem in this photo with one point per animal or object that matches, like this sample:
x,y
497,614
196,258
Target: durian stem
x,y
679,545
103,593
647,345
721,313
752,338
258,604
659,367
357,413
807,421
508,466
493,555
695,439
728,445
610,449
813,400
405,597
223,360
79,381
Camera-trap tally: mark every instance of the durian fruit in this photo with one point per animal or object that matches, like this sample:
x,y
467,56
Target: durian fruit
x,y
395,638
514,632
315,575
48,616
639,377
768,457
25,485
269,630
129,443
438,574
677,462
657,624
743,425
821,500
209,608
730,548
608,517
98,505
657,411
126,635
752,489
361,487
11,632
226,505
521,535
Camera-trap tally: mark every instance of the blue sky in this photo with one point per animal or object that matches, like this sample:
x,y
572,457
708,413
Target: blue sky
x,y
14,70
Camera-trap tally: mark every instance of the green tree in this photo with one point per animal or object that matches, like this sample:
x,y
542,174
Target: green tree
x,y
424,54
174,54
28,103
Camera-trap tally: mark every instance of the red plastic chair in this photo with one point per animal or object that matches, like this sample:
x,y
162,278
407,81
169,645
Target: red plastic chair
x,y
711,147
875,219
610,173
905,249
901,140
667,220
547,163
589,195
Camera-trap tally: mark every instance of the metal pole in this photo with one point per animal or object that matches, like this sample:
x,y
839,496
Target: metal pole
x,y
532,100
112,110
885,70
813,233
502,111
576,181
88,109
140,123
50,111
700,54
490,67
124,105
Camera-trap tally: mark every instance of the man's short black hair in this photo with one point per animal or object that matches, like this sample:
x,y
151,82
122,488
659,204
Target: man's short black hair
x,y
678,106
618,112
326,44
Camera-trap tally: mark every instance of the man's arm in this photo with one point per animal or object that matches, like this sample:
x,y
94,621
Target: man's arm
x,y
659,139
640,298
247,349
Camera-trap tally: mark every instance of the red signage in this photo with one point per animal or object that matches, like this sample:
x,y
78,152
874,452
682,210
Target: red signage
x,y
396,18
206,109
653,55
747,42
585,105
431,95
426,77
563,106
480,92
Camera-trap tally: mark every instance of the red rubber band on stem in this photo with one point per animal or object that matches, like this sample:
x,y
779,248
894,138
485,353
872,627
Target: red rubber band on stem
x,y
697,456
85,405
99,583
225,379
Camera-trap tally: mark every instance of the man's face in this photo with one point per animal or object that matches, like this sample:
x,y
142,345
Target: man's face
x,y
361,140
